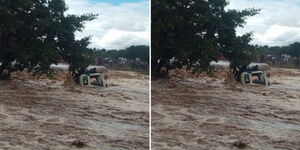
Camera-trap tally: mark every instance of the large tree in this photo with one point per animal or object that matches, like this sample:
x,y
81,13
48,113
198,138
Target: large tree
x,y
37,33
192,33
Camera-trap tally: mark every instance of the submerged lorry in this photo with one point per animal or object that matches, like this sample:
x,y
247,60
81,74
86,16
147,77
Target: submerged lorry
x,y
254,77
93,79
254,73
90,76
251,75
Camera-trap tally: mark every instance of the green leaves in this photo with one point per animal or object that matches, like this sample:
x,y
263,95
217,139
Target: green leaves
x,y
192,33
37,33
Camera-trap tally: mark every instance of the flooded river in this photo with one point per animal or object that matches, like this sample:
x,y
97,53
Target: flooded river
x,y
46,114
211,114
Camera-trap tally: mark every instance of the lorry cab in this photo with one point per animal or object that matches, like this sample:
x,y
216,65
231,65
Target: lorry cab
x,y
254,77
93,79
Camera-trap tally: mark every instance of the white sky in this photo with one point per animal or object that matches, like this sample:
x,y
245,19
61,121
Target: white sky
x,y
117,26
277,24
125,24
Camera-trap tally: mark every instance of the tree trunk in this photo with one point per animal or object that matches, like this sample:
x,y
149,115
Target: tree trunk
x,y
5,70
157,72
4,74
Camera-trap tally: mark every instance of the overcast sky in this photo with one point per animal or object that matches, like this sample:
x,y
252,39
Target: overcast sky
x,y
121,23
277,24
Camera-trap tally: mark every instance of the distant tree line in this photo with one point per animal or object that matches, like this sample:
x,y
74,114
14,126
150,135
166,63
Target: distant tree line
x,y
292,49
280,56
132,52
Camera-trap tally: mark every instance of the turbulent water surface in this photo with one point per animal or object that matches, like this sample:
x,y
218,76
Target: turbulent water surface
x,y
46,114
212,114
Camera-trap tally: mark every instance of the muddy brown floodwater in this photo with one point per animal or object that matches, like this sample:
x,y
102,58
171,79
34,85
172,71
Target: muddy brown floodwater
x,y
211,114
45,114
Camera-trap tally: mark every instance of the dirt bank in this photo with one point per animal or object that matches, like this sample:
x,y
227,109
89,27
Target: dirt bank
x,y
45,114
210,114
